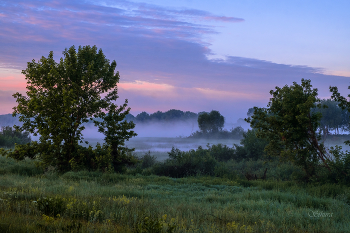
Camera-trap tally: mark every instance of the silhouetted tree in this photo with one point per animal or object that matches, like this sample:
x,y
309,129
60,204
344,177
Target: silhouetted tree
x,y
211,123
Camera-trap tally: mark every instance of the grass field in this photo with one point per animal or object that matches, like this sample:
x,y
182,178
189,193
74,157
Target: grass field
x,y
33,201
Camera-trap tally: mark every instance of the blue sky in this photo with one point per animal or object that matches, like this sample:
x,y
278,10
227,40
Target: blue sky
x,y
186,54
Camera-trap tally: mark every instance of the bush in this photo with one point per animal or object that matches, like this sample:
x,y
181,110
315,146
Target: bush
x,y
251,147
222,152
224,171
182,164
23,168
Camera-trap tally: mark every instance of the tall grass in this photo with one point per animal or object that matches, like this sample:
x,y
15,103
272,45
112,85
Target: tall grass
x,y
108,202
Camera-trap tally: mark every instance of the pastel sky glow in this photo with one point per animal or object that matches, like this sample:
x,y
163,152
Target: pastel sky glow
x,y
192,55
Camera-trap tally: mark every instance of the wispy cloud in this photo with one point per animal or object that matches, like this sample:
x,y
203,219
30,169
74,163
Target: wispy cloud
x,y
34,27
161,53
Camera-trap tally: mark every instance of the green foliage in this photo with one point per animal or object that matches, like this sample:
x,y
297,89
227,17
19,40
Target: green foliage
x,y
161,204
340,166
252,147
91,159
60,98
181,164
10,137
116,131
221,153
24,168
290,126
211,161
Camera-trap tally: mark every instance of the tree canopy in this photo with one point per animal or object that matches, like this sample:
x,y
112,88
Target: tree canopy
x,y
61,97
290,126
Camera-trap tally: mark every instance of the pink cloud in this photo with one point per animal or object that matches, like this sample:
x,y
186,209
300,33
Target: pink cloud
x,y
145,86
344,73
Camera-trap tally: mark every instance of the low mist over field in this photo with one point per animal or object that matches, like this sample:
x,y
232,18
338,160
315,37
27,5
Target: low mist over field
x,y
170,129
153,129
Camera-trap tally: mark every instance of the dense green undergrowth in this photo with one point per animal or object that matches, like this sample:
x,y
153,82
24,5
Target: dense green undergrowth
x,y
43,201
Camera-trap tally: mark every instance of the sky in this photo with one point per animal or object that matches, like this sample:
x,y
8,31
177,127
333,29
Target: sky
x,y
192,55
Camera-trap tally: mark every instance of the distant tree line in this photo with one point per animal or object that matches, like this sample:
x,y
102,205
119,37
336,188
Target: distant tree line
x,y
171,115
333,118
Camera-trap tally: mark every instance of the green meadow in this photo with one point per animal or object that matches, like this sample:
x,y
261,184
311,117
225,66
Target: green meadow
x,y
33,200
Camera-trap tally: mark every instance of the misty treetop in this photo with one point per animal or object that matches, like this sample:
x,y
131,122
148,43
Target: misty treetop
x,y
211,126
212,122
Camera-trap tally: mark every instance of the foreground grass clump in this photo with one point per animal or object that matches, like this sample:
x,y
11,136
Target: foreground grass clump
x,y
109,202
25,167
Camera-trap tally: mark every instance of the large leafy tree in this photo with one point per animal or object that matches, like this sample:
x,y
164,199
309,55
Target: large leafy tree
x,y
290,126
61,97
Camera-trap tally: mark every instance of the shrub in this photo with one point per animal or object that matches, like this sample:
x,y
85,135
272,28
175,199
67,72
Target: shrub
x,y
24,168
182,164
253,145
222,152
148,160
